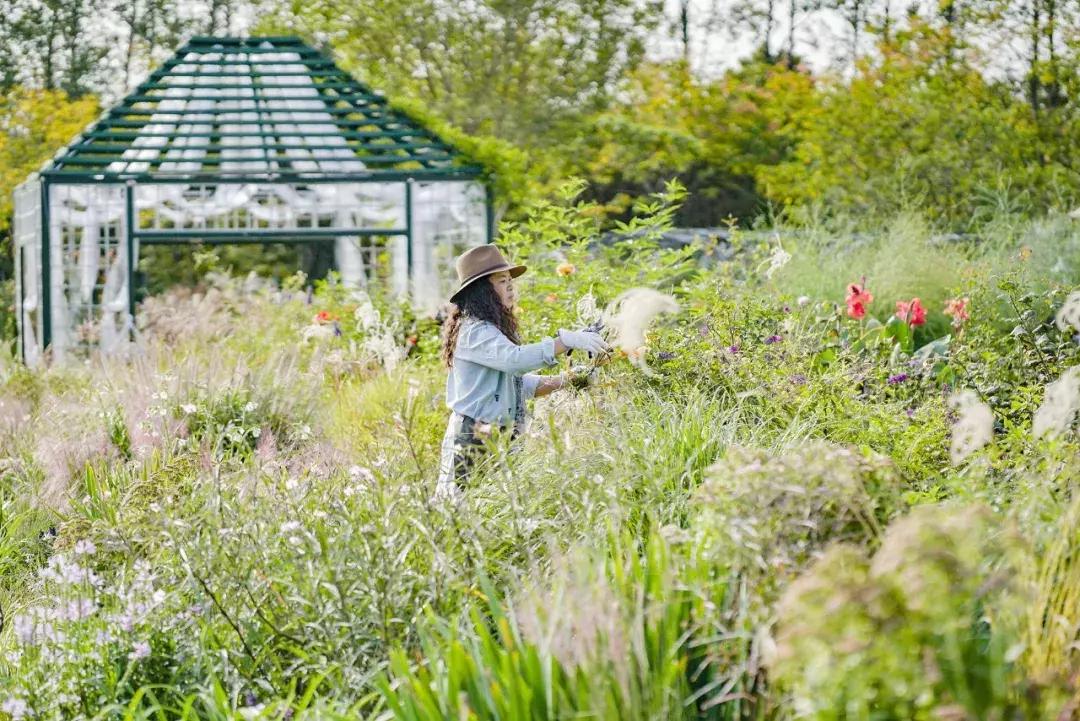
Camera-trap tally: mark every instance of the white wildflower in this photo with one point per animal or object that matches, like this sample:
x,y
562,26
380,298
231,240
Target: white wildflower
x,y
25,626
317,333
290,526
367,317
79,609
1069,314
358,473
1059,405
974,427
802,300
189,408
385,349
85,547
587,311
140,650
15,707
250,406
777,260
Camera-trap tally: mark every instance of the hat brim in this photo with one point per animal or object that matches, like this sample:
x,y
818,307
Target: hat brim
x,y
514,270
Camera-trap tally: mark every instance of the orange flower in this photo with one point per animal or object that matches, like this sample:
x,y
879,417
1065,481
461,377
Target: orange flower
x,y
565,269
551,298
324,316
957,308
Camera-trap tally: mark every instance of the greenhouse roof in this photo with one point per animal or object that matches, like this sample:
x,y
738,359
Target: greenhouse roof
x,y
255,108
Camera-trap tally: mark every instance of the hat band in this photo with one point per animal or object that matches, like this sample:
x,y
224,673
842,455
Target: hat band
x,y
488,271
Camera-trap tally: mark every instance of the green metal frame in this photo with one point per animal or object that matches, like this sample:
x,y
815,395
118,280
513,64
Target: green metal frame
x,y
392,146
380,136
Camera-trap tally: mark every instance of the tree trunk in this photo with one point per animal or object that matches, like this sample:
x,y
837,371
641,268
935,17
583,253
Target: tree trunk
x,y
1036,52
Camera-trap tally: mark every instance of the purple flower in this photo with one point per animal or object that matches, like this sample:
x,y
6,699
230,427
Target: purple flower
x,y
703,330
897,379
787,308
665,355
798,379
733,349
773,339
337,329
910,412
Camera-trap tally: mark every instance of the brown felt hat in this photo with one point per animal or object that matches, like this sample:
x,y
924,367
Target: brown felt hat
x,y
480,262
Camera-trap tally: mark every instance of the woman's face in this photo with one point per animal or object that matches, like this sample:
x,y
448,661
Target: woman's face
x,y
504,288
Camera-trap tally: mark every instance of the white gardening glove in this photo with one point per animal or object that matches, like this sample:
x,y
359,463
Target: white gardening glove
x,y
586,340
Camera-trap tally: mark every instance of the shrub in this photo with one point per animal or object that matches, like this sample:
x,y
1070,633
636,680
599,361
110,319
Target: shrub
x,y
927,628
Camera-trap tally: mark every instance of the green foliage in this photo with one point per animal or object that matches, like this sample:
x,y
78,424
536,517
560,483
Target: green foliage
x,y
916,128
931,622
269,457
622,640
770,515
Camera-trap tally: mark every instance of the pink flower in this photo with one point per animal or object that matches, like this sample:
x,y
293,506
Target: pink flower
x,y
858,298
912,312
957,308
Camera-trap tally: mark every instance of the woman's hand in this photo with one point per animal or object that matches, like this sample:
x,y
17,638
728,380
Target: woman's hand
x,y
586,340
550,384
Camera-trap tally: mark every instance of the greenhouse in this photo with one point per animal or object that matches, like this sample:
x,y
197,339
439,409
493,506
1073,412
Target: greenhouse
x,y
237,140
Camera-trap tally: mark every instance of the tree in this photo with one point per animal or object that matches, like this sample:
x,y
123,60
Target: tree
x,y
35,124
516,69
759,17
916,127
712,135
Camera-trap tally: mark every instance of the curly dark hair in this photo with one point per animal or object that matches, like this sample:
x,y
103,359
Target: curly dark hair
x,y
478,301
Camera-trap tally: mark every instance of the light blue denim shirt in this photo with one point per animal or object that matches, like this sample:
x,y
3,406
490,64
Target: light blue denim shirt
x,y
481,380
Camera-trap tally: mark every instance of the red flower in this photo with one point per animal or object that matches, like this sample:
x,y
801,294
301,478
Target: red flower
x,y
858,297
957,308
913,312
324,316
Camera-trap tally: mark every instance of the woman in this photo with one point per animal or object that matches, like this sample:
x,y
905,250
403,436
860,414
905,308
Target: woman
x,y
488,380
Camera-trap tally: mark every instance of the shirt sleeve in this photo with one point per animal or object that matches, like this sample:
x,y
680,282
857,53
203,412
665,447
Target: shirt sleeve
x,y
529,383
485,344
